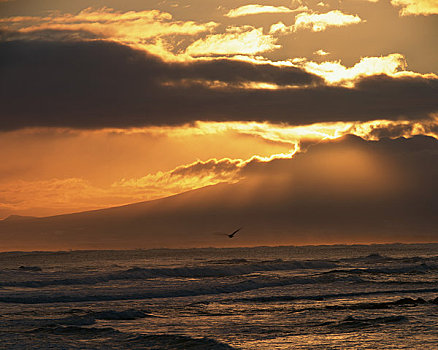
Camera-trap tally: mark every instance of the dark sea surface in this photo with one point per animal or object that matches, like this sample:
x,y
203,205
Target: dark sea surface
x,y
314,297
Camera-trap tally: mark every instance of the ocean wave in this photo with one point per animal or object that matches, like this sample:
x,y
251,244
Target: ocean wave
x,y
138,273
79,319
354,322
191,289
108,337
228,261
377,258
409,269
379,305
75,320
234,269
368,258
73,329
30,268
130,314
320,297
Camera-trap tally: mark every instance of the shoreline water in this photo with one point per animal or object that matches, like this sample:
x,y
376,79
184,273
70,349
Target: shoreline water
x,y
308,297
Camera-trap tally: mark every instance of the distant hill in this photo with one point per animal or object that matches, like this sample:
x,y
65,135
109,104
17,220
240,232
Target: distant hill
x,y
349,191
18,218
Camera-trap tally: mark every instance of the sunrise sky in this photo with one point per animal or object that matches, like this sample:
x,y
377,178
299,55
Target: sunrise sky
x,y
105,103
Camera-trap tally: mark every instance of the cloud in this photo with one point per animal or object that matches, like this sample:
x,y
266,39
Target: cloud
x,y
416,7
279,28
378,129
295,136
149,29
348,189
334,72
316,22
55,195
112,85
107,22
183,178
64,195
320,22
238,40
321,52
258,9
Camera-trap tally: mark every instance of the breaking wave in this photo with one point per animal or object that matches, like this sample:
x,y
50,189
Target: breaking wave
x,y
197,290
138,273
380,305
108,337
191,289
403,301
410,269
377,258
130,314
354,322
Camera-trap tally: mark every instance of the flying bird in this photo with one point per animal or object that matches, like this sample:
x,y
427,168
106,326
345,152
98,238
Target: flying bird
x,y
231,235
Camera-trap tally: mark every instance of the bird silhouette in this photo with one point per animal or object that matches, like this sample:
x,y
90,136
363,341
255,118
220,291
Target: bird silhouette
x,y
231,235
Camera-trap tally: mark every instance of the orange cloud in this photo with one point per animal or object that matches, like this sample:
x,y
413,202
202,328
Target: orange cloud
x,y
258,9
294,135
320,22
377,129
245,40
321,53
45,194
186,177
61,195
316,22
146,29
132,25
335,73
279,28
416,7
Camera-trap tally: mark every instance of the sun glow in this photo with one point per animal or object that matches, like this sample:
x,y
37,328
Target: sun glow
x,y
269,142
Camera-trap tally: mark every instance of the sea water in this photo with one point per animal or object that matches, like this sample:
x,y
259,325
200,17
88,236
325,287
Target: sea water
x,y
313,297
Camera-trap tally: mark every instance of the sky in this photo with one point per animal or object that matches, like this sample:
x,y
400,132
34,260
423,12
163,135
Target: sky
x,y
110,103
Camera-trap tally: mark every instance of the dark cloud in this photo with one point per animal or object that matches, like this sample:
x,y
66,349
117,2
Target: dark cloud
x,y
343,191
231,71
399,130
391,131
97,84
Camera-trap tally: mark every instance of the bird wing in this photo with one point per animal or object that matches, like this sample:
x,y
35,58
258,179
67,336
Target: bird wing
x,y
232,234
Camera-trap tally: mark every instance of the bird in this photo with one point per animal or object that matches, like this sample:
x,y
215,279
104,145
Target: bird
x,y
231,235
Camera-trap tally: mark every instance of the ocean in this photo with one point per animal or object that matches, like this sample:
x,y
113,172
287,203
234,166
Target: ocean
x,y
312,297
